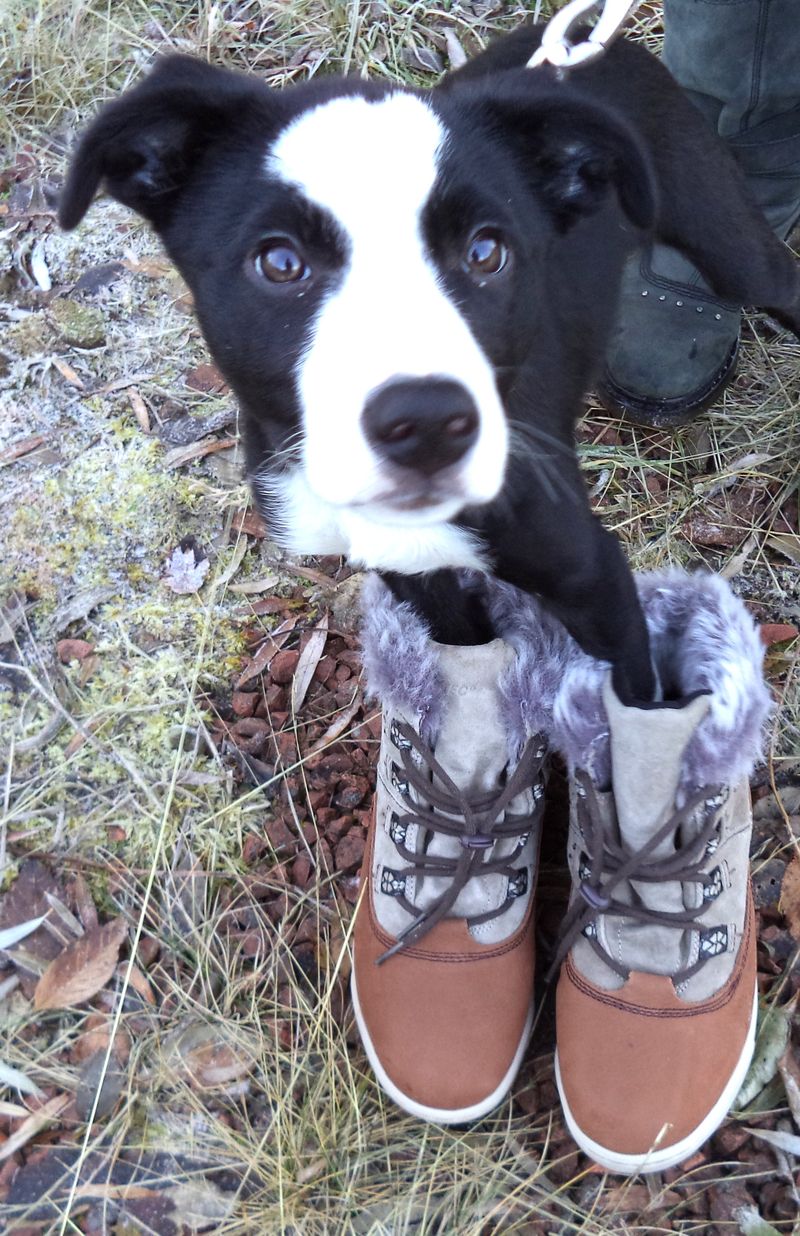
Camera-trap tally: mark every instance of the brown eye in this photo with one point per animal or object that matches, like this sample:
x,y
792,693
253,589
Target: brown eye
x,y
280,262
486,253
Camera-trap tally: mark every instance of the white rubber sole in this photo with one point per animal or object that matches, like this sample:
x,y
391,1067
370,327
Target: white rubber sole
x,y
438,1115
658,1159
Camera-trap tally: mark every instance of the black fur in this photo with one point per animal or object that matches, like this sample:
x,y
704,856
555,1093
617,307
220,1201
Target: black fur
x,y
578,171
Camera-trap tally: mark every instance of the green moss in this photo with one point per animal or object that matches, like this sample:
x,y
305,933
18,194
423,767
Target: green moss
x,y
81,325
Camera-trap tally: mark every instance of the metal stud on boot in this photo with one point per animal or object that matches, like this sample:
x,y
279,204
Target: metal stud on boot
x,y
656,1000
444,939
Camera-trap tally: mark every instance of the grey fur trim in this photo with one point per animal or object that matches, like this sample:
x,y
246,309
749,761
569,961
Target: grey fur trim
x,y
399,655
703,639
401,664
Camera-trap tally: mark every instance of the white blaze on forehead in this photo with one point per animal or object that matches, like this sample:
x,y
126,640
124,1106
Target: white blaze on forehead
x,y
348,154
372,166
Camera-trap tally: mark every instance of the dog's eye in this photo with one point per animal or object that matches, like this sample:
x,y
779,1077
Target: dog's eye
x,y
486,253
279,261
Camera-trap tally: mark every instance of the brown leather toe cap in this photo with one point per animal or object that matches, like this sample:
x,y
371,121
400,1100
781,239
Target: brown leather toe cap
x,y
445,1020
637,1059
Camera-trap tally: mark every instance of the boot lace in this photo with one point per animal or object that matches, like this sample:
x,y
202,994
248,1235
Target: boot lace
x,y
441,807
609,866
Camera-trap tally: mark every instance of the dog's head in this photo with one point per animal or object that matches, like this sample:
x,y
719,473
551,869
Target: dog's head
x,y
373,269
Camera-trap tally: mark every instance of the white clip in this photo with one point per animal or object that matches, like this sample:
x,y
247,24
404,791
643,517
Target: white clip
x,y
556,48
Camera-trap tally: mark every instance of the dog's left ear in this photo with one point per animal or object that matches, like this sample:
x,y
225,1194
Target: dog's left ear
x,y
575,152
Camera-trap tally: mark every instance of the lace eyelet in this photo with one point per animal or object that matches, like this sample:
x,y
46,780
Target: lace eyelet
x,y
713,942
399,783
397,831
393,883
396,737
715,886
518,883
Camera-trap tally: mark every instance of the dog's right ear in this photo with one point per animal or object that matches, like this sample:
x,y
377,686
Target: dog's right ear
x,y
144,145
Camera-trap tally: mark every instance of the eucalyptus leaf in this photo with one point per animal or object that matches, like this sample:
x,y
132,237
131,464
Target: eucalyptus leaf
x,y
771,1040
10,936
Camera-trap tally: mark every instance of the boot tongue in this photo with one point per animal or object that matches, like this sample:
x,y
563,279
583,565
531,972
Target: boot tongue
x,y
647,746
471,745
472,748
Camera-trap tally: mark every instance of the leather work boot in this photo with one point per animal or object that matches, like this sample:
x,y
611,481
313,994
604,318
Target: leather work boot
x,y
442,979
656,999
675,343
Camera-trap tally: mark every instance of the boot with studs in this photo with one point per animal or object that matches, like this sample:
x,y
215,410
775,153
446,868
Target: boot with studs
x,y
443,964
656,998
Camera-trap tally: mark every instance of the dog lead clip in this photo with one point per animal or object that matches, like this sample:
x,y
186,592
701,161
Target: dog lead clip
x,y
557,50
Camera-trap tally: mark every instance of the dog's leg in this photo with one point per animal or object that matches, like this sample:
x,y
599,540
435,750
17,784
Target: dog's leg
x,y
706,210
454,612
594,596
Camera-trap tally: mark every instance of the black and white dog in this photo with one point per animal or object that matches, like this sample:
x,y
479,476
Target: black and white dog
x,y
411,291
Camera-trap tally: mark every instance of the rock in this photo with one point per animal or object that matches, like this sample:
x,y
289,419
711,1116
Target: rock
x,y
283,665
81,325
244,703
350,851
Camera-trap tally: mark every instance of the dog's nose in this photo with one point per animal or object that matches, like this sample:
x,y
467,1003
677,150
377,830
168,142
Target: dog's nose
x,y
421,423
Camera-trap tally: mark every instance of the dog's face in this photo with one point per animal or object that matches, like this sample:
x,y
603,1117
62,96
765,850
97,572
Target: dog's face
x,y
370,269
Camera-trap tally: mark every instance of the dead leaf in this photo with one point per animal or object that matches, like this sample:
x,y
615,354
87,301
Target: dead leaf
x,y
786,543
789,1067
98,1074
151,268
68,373
80,605
308,662
18,449
206,378
185,454
10,936
789,904
183,430
788,1142
119,384
253,586
26,899
250,523
774,1025
261,659
455,52
17,1080
338,725
37,1120
185,571
137,981
207,1056
82,969
139,409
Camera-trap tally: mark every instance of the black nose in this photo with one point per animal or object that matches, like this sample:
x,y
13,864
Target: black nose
x,y
421,423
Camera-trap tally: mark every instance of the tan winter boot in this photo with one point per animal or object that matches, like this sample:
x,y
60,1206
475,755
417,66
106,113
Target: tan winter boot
x,y
444,939
656,1000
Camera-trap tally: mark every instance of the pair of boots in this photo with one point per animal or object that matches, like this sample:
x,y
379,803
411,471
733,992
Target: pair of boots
x,y
656,999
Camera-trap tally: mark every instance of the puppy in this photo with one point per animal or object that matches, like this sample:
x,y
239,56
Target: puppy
x,y
411,291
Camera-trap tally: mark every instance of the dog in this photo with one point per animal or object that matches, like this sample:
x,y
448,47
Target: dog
x,y
411,291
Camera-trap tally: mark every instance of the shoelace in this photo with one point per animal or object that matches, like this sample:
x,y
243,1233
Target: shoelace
x,y
473,818
610,866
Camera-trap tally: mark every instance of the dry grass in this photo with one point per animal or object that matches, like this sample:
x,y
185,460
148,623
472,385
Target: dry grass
x,y
315,1146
